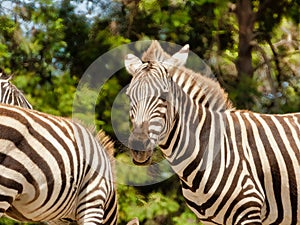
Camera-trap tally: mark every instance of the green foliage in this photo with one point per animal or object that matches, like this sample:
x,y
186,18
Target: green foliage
x,y
187,217
149,209
154,208
245,92
7,221
106,98
54,98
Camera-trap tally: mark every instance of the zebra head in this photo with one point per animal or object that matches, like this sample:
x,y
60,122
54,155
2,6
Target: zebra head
x,y
10,94
150,102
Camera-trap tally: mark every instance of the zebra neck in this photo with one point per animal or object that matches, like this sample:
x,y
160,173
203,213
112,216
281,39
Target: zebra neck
x,y
180,138
194,137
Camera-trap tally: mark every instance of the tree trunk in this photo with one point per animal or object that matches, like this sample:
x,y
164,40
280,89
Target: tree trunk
x,y
246,19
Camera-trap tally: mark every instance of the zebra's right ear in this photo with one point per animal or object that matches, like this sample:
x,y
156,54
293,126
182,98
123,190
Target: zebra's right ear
x,y
132,63
179,58
182,55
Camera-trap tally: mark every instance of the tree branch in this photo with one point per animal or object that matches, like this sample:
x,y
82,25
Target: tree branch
x,y
279,76
268,70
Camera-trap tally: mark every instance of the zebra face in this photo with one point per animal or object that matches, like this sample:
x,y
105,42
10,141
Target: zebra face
x,y
148,127
149,105
150,100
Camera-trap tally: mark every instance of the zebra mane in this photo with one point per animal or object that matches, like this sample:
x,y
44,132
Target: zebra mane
x,y
108,145
106,142
5,77
217,98
155,53
201,87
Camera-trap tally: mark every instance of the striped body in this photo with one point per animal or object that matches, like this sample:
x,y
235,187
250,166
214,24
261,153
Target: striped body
x,y
11,95
52,168
236,167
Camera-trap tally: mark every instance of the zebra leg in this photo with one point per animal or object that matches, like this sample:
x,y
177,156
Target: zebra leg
x,y
248,214
90,210
91,216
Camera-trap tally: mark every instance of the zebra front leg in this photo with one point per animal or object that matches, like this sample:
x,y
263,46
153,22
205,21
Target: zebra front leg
x,y
247,214
90,208
90,215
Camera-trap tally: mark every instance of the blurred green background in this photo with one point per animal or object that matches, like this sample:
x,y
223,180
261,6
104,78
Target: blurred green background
x,y
252,47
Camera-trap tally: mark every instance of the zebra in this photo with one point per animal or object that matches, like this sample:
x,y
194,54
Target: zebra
x,y
235,166
53,169
10,94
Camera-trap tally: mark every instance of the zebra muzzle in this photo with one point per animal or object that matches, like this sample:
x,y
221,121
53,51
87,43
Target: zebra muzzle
x,y
141,150
141,158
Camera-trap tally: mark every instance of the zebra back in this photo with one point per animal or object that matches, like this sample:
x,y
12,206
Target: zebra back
x,y
10,94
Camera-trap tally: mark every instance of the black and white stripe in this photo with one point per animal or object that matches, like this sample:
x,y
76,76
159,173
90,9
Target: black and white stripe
x,y
236,167
52,169
11,95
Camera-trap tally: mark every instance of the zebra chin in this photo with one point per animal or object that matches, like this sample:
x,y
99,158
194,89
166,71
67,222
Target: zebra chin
x,y
141,157
141,148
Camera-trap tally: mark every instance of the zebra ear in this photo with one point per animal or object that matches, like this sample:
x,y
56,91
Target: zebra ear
x,y
132,63
182,55
179,58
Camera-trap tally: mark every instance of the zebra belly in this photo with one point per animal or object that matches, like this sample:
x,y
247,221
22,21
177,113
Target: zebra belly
x,y
43,204
22,212
14,214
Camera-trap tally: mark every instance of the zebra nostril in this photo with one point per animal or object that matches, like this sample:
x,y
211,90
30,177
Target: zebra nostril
x,y
136,145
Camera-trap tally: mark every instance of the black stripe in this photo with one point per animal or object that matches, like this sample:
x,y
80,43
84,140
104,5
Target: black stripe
x,y
289,165
79,150
248,216
275,170
6,198
216,161
13,164
22,144
190,88
172,132
220,190
11,184
202,154
51,148
112,210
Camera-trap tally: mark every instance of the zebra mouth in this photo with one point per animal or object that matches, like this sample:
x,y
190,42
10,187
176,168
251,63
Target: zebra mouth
x,y
144,163
141,158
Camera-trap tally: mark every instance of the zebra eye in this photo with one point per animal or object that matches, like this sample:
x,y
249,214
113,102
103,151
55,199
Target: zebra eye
x,y
130,115
130,107
164,96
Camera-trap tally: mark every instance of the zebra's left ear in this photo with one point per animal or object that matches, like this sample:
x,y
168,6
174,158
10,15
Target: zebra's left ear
x,y
132,63
179,58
